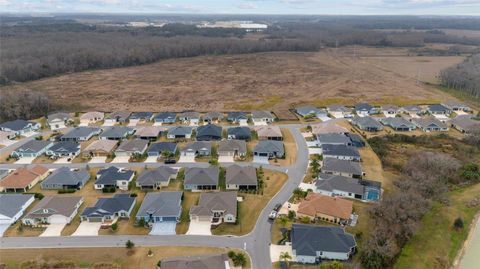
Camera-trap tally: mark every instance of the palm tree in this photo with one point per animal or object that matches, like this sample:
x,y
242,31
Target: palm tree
x,y
285,257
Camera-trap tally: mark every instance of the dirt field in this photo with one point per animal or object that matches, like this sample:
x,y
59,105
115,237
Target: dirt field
x,y
254,81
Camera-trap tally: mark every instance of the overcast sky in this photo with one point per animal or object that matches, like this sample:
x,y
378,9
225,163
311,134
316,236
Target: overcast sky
x,y
360,7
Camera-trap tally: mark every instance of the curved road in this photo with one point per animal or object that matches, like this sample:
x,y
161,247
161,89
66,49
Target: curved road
x,y
256,243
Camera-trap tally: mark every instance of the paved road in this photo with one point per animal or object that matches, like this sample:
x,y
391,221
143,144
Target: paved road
x,y
256,243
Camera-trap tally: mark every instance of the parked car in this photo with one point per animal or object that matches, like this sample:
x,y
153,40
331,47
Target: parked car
x,y
272,215
169,161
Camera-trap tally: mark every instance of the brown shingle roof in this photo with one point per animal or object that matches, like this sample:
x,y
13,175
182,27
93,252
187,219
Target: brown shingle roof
x,y
320,204
22,177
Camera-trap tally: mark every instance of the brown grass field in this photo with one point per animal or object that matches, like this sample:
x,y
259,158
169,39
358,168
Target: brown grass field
x,y
275,81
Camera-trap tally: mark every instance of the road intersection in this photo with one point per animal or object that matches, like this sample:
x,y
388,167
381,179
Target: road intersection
x,y
256,243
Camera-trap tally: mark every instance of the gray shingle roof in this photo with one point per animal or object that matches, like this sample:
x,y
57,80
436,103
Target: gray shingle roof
x,y
11,204
429,122
241,175
367,122
64,147
260,114
308,239
16,125
438,108
308,110
33,146
162,116
162,147
241,132
198,146
336,165
152,176
235,116
202,176
232,145
218,201
209,131
78,132
180,130
141,115
112,174
109,206
50,205
213,116
65,176
59,116
363,107
270,146
116,132
119,115
397,122
333,139
340,183
161,204
133,145
340,150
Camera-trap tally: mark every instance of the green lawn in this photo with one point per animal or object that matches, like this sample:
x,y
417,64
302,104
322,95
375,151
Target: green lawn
x,y
436,243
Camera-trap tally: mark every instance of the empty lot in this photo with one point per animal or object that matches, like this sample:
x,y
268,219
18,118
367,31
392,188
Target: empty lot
x,y
252,81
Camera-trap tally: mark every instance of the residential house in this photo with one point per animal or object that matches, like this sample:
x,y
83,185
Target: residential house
x,y
132,147
234,148
156,178
197,178
63,149
78,134
465,124
262,117
341,152
217,261
430,124
108,210
357,140
310,111
367,123
331,185
102,148
12,207
211,117
116,133
59,120
412,111
457,107
66,178
23,179
238,117
20,127
197,148
439,110
114,177
269,148
140,116
190,117
117,117
6,137
270,132
390,110
91,117
150,133
216,207
180,132
339,111
398,124
364,109
53,210
157,207
31,149
312,243
333,139
239,133
209,132
241,177
329,127
339,167
166,117
159,148
325,208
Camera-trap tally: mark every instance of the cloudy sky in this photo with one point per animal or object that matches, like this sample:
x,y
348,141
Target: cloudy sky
x,y
362,7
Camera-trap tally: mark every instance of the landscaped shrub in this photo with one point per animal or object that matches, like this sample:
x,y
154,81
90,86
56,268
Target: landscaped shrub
x,y
62,191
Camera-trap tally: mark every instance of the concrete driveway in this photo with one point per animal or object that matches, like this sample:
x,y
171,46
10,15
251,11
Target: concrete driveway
x,y
8,142
163,228
151,159
53,230
121,159
3,228
199,228
132,123
87,229
276,250
260,159
26,160
225,159
186,159
98,159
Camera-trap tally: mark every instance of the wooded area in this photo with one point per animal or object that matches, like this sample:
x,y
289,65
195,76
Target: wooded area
x,y
48,47
464,77
23,104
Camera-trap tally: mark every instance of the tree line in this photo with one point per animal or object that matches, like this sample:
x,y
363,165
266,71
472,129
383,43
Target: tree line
x,y
23,104
464,77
